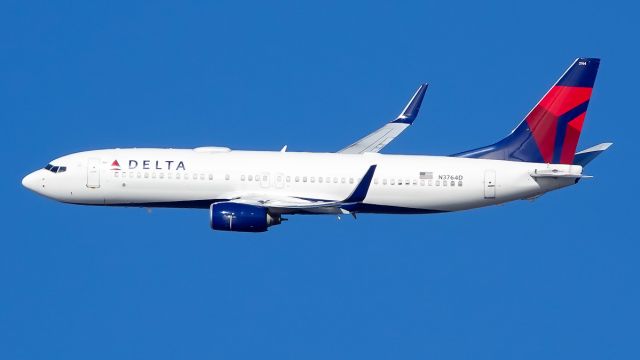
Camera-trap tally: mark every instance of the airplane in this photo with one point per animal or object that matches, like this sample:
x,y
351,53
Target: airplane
x,y
250,191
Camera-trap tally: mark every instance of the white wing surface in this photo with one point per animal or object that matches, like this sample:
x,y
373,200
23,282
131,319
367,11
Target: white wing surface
x,y
378,139
289,204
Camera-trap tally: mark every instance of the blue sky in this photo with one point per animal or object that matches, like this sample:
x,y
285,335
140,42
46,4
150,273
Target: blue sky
x,y
553,278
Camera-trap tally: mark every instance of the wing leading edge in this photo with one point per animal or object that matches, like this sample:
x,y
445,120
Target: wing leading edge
x,y
375,141
289,204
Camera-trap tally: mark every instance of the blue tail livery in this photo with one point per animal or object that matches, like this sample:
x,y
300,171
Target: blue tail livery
x,y
550,132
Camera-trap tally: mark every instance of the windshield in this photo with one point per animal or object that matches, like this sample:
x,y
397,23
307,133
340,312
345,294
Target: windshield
x,y
55,169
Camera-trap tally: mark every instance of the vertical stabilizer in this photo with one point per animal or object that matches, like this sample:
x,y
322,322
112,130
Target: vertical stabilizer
x,y
550,132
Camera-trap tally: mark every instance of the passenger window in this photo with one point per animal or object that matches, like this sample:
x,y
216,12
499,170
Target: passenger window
x,y
146,175
297,178
241,177
430,182
335,180
201,176
384,181
342,180
375,181
415,182
421,182
327,180
139,175
459,183
313,179
393,182
178,176
304,179
288,178
116,174
169,176
161,175
437,182
210,177
453,183
320,179
227,177
265,178
153,175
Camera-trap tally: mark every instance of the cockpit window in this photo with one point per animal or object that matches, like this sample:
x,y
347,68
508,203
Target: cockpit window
x,y
55,169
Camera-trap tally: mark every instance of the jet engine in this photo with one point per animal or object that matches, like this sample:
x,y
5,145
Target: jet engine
x,y
230,216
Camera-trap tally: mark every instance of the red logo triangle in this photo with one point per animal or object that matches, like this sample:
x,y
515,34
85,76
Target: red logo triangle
x,y
115,163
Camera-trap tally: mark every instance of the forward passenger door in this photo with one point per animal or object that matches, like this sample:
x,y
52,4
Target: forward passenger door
x,y
93,173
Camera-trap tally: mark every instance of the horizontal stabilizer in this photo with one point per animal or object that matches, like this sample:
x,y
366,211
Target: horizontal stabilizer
x,y
584,157
557,174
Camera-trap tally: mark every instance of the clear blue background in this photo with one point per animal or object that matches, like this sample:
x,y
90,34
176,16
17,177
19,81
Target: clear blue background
x,y
553,278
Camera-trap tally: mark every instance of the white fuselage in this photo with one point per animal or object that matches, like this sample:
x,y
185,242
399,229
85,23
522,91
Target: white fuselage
x,y
198,177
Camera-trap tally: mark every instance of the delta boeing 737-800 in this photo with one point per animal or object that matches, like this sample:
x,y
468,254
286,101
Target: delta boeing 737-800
x,y
253,190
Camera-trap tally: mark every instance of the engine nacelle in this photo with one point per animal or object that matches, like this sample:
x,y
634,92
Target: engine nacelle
x,y
230,216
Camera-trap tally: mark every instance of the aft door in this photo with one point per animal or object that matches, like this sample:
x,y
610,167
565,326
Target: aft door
x,y
490,184
93,173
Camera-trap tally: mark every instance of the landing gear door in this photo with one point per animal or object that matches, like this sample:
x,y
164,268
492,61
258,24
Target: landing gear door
x,y
490,184
93,173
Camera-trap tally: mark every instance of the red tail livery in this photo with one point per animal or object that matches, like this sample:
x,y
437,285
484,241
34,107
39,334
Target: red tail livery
x,y
550,132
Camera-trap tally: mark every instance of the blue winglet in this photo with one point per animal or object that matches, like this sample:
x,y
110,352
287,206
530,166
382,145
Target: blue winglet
x,y
410,112
361,190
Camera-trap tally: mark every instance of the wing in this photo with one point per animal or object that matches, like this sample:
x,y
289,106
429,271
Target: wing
x,y
291,204
378,139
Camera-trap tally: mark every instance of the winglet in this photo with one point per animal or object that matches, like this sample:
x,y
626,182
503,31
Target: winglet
x,y
584,157
410,112
360,192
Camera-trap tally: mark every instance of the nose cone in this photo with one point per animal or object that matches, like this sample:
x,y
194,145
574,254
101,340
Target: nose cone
x,y
32,182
